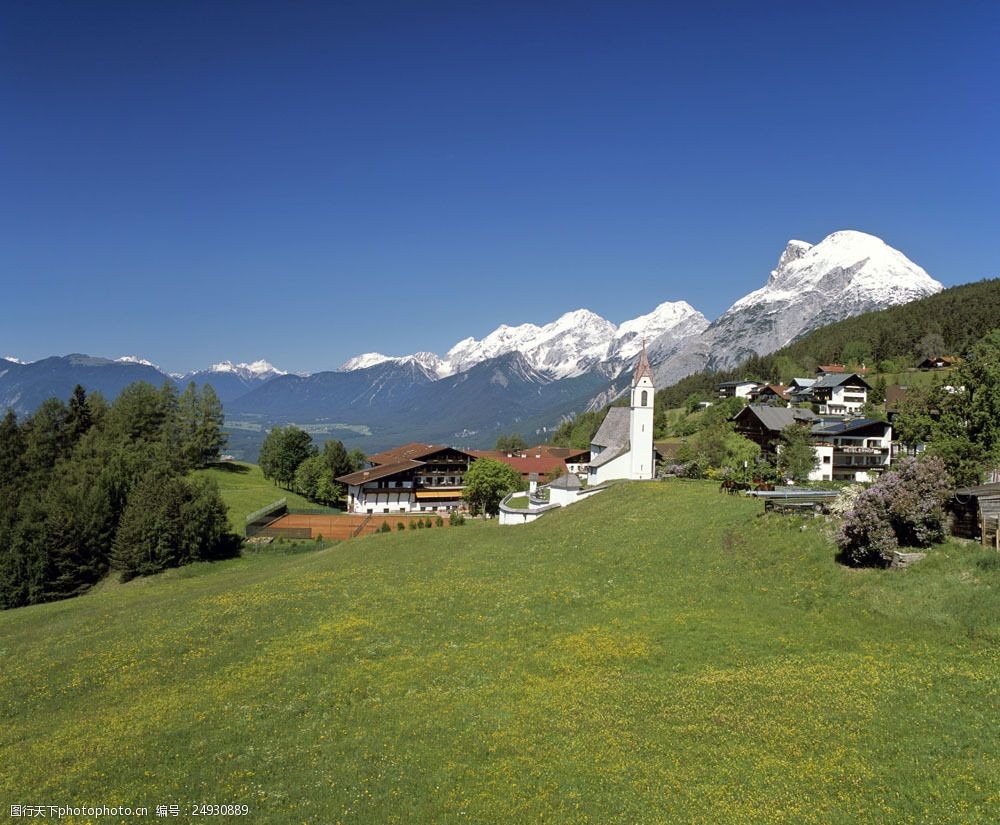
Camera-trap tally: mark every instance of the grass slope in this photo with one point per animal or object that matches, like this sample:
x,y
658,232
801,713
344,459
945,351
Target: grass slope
x,y
657,653
244,489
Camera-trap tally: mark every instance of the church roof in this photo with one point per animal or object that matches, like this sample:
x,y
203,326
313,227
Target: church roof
x,y
613,436
642,369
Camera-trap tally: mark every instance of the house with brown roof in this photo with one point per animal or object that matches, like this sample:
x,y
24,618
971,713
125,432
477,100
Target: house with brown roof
x,y
543,460
939,362
413,478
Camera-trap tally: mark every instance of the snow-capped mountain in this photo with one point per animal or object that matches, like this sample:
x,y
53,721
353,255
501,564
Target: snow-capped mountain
x,y
845,274
573,344
428,361
257,370
14,360
135,359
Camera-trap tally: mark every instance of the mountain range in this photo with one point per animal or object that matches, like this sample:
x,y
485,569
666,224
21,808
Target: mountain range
x,y
524,378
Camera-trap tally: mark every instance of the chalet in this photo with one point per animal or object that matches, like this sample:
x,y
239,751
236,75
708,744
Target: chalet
x,y
770,394
763,424
838,393
409,479
857,449
938,362
846,449
737,389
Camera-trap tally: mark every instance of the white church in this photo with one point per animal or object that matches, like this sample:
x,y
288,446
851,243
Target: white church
x,y
623,446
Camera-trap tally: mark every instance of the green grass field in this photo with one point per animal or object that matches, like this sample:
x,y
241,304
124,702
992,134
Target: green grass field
x,y
244,489
658,653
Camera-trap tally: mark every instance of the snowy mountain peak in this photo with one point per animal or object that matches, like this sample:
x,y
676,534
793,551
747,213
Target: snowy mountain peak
x,y
858,266
570,345
134,359
845,274
256,369
14,360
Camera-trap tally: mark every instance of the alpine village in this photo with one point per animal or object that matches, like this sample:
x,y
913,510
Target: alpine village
x,y
487,413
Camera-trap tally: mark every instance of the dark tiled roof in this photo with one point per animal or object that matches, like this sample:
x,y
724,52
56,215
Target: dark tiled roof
x,y
835,380
613,431
567,482
414,450
382,471
838,427
777,418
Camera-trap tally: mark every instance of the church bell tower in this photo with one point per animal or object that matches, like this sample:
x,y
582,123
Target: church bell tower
x,y
641,420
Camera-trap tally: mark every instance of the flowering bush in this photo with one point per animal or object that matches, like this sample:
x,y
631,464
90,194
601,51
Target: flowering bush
x,y
905,507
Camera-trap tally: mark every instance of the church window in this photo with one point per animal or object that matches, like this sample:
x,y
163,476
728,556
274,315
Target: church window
x,y
644,395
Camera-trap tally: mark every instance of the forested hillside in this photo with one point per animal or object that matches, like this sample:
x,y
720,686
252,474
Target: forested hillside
x,y
950,323
88,486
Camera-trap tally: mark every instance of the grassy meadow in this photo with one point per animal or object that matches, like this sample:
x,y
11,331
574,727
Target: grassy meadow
x,y
658,653
244,489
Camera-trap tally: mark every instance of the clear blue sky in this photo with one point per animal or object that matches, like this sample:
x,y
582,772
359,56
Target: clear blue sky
x,y
305,181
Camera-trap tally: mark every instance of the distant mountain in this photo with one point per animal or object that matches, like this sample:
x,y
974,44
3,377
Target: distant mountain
x,y
231,381
844,275
523,378
24,386
573,344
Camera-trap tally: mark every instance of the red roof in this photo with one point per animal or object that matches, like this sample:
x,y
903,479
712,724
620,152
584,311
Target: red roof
x,y
541,460
413,450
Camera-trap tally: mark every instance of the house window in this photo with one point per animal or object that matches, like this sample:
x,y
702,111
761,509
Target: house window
x,y
826,459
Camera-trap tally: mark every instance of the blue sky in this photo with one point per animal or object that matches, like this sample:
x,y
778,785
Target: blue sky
x,y
305,181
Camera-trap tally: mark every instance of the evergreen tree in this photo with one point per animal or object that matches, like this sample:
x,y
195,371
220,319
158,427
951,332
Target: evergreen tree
x,y
211,440
78,414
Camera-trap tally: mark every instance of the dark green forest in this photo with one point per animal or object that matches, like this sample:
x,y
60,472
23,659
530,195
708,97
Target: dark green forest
x,y
89,487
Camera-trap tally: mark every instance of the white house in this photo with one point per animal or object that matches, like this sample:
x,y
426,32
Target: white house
x,y
623,446
737,389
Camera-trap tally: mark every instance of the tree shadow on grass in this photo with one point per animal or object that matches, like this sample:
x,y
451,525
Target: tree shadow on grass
x,y
229,467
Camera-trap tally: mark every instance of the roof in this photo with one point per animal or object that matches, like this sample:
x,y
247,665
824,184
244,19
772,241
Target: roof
x,y
566,482
836,379
739,383
777,418
838,427
541,460
642,369
613,431
836,368
777,389
802,382
414,450
382,471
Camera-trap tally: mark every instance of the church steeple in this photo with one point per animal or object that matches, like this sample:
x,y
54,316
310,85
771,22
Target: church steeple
x,y
642,369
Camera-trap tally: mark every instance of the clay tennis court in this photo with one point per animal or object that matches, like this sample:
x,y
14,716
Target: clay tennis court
x,y
340,527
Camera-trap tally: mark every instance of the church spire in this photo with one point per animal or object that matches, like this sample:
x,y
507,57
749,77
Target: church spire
x,y
642,369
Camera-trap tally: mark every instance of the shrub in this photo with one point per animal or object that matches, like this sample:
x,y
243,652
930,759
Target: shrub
x,y
420,524
400,526
412,524
904,508
456,519
319,537
439,521
385,528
